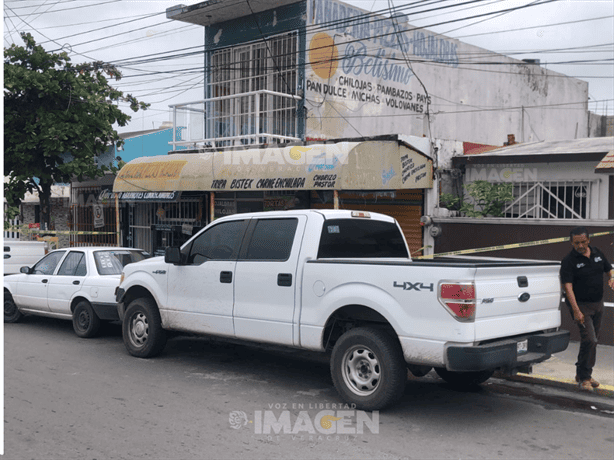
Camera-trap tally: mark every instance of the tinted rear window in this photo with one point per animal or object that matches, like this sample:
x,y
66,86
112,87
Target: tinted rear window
x,y
360,238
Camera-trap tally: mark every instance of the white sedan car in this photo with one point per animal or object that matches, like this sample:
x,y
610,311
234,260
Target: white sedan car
x,y
77,284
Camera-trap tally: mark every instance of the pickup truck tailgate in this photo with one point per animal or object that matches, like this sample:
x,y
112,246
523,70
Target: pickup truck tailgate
x,y
508,305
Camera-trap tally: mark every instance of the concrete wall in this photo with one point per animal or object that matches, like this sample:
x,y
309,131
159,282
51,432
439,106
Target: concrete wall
x,y
600,125
146,145
367,86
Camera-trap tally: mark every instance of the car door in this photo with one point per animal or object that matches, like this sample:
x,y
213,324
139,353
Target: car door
x,y
201,292
266,280
67,282
31,292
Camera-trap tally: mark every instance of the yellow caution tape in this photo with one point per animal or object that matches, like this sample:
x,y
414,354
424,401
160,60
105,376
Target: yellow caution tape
x,y
56,232
507,246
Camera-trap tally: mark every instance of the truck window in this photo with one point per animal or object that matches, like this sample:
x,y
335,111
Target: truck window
x,y
361,238
272,239
220,242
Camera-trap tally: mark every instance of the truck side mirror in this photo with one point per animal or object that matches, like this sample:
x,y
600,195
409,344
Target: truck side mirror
x,y
25,270
172,255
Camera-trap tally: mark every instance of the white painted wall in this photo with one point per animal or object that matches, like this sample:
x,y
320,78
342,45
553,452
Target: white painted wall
x,y
361,86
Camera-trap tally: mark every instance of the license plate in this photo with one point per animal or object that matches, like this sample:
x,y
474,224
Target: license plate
x,y
522,347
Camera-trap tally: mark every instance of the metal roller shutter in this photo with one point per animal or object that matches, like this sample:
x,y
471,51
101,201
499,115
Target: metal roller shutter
x,y
405,206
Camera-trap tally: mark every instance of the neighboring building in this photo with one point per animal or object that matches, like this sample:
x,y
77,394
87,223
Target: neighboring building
x,y
557,186
29,217
93,207
289,70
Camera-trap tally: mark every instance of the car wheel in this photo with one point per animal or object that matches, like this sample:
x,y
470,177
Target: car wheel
x,y
142,329
11,312
85,322
464,379
368,368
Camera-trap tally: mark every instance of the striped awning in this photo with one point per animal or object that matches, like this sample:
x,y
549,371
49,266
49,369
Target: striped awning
x,y
606,165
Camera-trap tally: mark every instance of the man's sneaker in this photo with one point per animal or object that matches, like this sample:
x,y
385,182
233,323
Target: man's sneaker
x,y
585,385
594,383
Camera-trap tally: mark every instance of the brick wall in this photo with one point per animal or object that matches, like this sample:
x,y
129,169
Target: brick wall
x,y
59,218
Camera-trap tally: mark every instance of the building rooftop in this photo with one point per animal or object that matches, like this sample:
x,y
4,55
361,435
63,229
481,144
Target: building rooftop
x,y
587,149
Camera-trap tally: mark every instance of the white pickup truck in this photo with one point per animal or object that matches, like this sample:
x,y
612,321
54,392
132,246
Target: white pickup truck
x,y
343,282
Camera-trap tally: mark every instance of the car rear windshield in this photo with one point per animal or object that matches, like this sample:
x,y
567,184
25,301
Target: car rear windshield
x,y
361,238
112,261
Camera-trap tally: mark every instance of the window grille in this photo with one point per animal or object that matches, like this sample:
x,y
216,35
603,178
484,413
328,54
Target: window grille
x,y
550,200
82,219
254,69
143,215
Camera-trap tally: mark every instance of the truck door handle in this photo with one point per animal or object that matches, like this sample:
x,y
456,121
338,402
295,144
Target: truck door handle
x,y
284,279
76,282
44,281
225,277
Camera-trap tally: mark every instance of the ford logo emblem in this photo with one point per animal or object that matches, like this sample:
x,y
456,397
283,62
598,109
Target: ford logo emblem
x,y
524,296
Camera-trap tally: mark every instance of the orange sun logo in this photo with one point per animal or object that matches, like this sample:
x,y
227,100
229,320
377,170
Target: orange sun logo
x,y
323,55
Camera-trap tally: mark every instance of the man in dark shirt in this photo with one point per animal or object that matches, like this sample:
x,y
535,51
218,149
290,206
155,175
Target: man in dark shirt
x,y
582,278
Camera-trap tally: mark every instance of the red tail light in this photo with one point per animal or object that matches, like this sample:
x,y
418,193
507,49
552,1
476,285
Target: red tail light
x,y
459,300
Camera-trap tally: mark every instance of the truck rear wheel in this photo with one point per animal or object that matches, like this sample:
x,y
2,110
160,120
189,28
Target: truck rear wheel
x,y
464,379
142,329
368,368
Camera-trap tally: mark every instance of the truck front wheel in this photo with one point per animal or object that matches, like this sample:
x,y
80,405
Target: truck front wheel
x,y
142,329
464,379
368,368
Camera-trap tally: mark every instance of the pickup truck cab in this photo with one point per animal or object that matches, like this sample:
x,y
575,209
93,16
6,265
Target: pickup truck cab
x,y
343,282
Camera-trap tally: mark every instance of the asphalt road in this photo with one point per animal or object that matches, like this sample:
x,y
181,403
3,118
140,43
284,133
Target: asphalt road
x,y
71,398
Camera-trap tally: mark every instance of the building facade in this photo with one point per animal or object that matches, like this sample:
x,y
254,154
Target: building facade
x,y
322,69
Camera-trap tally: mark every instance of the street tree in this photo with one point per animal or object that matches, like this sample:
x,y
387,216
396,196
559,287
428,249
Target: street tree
x,y
58,118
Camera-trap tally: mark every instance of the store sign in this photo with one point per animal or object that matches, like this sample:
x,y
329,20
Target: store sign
x,y
225,207
148,196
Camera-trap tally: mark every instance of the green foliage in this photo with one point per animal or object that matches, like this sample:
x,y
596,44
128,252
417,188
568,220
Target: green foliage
x,y
58,117
449,201
488,199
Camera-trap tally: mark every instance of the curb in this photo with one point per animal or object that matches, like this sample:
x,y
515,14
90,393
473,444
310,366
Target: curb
x,y
567,384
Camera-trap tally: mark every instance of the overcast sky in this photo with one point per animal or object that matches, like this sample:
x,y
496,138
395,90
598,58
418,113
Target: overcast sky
x,y
558,32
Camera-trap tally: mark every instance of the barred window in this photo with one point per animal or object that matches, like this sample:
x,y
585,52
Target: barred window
x,y
270,65
550,200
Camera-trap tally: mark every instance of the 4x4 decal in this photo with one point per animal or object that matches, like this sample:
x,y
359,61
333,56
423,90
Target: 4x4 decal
x,y
409,286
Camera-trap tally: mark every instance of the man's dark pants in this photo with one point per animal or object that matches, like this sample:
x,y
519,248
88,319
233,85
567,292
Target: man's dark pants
x,y
592,311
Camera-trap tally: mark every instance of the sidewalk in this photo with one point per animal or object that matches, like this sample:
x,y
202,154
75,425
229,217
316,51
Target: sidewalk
x,y
560,370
